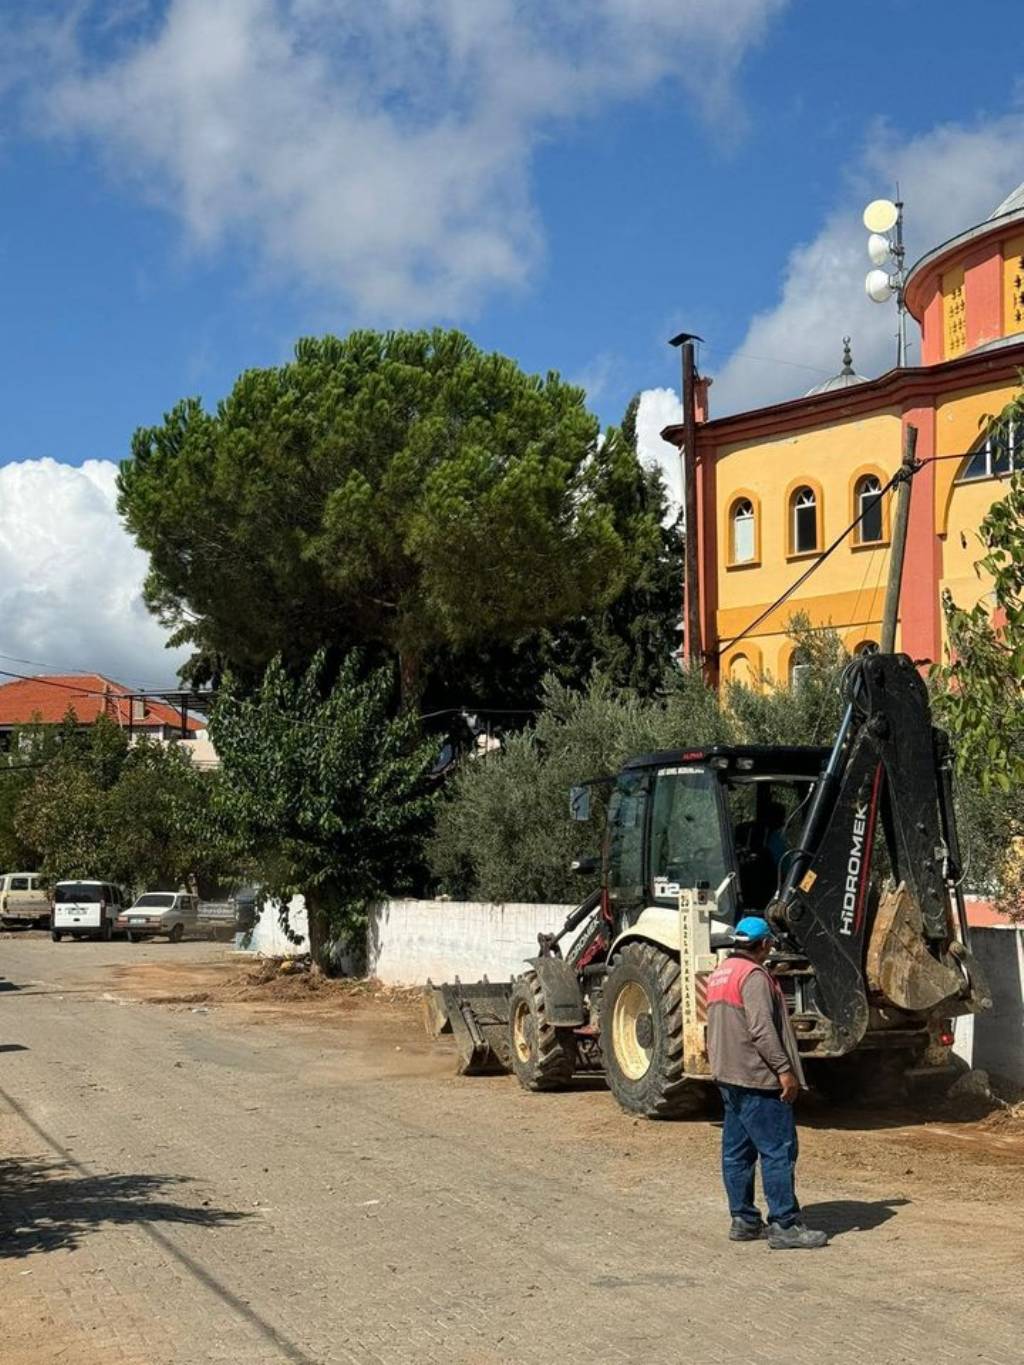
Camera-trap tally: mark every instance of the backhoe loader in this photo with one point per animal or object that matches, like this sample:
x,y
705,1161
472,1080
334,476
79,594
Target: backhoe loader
x,y
872,944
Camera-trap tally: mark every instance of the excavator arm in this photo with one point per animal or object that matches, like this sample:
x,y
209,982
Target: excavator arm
x,y
889,769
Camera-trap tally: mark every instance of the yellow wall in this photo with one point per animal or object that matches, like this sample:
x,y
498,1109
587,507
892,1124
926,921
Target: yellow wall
x,y
954,332
847,591
1013,285
960,507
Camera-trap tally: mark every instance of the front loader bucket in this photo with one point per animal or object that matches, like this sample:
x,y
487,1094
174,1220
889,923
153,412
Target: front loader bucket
x,y
477,1016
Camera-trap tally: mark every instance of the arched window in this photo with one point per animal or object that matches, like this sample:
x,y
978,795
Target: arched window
x,y
996,456
743,537
868,506
741,670
799,668
866,647
804,524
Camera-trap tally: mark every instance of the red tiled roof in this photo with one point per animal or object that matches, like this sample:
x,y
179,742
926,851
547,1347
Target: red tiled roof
x,y
47,698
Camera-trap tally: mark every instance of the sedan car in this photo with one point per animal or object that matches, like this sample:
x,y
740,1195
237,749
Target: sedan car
x,y
160,912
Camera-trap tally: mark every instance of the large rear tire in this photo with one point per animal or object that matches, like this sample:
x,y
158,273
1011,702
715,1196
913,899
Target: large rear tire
x,y
642,1034
543,1057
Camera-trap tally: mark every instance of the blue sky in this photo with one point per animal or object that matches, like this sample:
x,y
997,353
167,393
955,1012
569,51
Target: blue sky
x,y
188,186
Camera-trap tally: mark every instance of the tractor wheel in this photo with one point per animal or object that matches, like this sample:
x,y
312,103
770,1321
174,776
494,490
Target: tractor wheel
x,y
642,1034
543,1057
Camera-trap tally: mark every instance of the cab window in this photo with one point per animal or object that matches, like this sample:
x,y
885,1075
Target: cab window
x,y
626,821
687,847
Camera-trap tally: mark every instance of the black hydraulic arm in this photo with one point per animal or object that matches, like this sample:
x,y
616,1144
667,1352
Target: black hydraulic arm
x,y
884,767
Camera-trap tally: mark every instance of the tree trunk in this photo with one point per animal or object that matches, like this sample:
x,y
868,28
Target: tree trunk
x,y
410,681
316,921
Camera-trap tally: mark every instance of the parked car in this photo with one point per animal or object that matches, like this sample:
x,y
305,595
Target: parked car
x,y
23,901
85,909
160,912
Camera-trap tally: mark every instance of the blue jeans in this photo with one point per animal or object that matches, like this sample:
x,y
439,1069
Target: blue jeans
x,y
758,1124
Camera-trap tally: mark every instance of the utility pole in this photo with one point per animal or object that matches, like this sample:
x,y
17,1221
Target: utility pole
x,y
908,468
691,617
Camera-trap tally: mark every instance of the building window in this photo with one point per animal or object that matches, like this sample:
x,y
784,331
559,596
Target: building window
x,y
866,647
799,669
996,457
743,538
804,533
869,509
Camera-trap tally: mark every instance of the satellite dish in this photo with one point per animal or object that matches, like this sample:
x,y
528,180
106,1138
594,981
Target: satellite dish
x,y
879,249
877,286
880,215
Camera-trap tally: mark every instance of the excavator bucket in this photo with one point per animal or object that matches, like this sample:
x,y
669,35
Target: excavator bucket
x,y
477,1016
900,967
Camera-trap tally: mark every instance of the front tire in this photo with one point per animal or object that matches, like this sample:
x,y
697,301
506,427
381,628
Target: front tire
x,y
56,935
642,1034
543,1057
176,934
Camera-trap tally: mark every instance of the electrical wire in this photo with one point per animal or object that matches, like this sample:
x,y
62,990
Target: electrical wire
x,y
898,477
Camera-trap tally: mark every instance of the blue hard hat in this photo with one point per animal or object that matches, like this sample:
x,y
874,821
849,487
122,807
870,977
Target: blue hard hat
x,y
752,929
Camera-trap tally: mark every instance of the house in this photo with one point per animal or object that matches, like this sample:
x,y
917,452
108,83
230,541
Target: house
x,y
48,698
777,485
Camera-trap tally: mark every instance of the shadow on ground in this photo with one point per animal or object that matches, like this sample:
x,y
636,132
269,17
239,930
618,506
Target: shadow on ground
x,y
836,1216
48,1206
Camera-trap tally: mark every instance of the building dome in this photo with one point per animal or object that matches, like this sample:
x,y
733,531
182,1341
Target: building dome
x,y
1011,203
845,379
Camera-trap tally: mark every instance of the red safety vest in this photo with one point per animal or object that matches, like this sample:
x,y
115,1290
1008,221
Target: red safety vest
x,y
725,984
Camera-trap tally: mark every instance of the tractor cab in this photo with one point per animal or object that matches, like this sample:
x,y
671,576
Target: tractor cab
x,y
719,822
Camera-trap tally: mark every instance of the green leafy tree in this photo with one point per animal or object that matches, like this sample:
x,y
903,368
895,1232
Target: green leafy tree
x,y
326,790
32,746
807,713
141,815
504,831
979,696
632,639
404,492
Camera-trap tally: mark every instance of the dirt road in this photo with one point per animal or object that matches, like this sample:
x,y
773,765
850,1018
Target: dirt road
x,y
219,1178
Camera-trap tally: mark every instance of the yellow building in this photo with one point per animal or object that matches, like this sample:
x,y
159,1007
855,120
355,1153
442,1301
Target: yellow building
x,y
775,486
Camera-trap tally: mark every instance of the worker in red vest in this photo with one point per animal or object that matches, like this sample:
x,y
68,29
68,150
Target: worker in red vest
x,y
754,1059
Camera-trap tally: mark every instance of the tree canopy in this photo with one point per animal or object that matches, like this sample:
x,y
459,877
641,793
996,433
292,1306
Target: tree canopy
x,y
404,492
324,789
138,814
979,697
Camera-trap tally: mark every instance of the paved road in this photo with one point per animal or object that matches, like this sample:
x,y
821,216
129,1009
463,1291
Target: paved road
x,y
179,1186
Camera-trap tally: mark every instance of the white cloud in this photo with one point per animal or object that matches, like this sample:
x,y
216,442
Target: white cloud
x,y
660,408
950,178
71,577
377,151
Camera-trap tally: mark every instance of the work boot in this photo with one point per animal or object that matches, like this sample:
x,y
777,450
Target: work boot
x,y
744,1231
796,1237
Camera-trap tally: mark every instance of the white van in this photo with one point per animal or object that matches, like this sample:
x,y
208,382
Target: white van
x,y
160,912
23,900
85,908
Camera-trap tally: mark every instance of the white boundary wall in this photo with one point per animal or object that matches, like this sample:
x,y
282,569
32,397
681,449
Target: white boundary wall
x,y
994,1041
267,938
409,941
